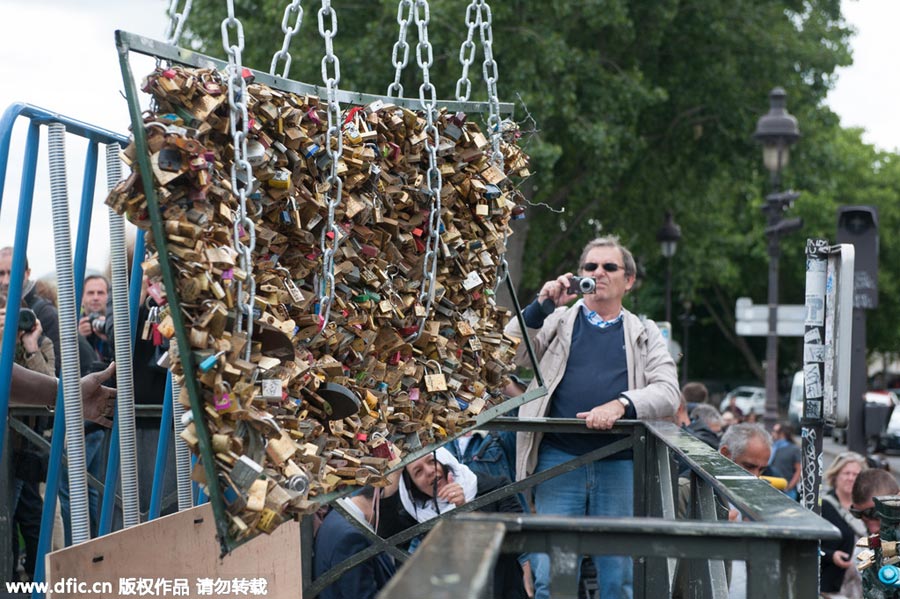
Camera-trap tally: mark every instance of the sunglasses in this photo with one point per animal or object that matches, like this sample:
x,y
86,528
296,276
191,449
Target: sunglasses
x,y
866,513
607,266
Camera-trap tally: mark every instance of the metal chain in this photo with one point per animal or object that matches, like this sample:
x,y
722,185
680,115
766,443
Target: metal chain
x,y
489,71
495,124
395,89
176,20
334,147
467,49
284,53
241,171
428,100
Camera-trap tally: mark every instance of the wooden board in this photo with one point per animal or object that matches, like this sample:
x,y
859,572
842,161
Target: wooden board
x,y
179,550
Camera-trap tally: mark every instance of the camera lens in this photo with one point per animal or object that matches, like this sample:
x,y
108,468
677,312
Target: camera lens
x,y
97,324
27,320
587,285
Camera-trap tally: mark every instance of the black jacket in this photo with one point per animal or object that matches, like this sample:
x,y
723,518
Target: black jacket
x,y
832,576
508,582
48,315
336,541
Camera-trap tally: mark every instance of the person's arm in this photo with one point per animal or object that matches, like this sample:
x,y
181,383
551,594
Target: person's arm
x,y
36,358
536,315
35,389
660,396
32,388
792,484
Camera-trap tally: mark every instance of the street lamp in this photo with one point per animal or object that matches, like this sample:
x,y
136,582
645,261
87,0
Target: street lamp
x,y
777,131
687,320
668,236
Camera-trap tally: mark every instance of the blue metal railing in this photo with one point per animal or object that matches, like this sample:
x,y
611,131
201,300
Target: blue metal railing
x,y
38,117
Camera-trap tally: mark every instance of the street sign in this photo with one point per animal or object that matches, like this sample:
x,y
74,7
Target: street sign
x,y
752,320
665,328
759,328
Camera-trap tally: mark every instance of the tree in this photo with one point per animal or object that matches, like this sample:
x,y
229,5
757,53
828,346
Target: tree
x,y
640,106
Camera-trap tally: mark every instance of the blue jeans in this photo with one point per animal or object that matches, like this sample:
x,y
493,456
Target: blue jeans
x,y
604,488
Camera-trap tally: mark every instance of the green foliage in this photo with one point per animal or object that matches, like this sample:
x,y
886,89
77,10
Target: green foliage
x,y
640,107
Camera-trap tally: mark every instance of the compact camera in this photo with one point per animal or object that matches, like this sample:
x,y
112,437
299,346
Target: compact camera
x,y
27,320
98,322
582,285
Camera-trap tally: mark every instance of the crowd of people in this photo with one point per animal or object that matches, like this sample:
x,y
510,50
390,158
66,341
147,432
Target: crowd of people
x,y
37,364
600,363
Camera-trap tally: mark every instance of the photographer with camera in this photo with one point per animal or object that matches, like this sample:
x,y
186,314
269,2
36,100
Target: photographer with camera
x,y
601,363
44,310
96,438
34,350
92,325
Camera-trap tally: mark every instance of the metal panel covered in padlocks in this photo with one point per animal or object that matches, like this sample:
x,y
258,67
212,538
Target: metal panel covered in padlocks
x,y
376,366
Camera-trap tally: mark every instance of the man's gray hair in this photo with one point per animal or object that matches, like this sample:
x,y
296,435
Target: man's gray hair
x,y
708,414
610,241
738,436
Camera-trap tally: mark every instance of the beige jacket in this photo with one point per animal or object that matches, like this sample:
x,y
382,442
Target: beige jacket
x,y
652,376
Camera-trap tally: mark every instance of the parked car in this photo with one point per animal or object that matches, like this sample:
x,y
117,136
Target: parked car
x,y
890,439
747,399
879,416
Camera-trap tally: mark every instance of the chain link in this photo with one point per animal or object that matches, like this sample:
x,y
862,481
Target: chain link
x,y
241,171
428,101
489,71
334,147
467,49
176,20
285,54
395,89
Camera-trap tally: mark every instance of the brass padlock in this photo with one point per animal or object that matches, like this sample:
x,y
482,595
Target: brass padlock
x,y
435,383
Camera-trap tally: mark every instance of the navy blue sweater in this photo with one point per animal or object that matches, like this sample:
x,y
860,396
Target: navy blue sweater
x,y
596,373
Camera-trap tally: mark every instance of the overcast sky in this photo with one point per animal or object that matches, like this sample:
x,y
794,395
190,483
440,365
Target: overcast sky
x,y
61,55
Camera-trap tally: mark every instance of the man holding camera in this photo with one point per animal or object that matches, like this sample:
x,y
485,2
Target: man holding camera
x,y
91,330
43,309
601,363
92,324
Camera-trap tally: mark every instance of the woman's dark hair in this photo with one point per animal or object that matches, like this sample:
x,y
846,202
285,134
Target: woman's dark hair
x,y
414,491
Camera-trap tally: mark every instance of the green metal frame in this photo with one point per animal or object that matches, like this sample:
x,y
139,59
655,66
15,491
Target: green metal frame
x,y
127,43
149,47
779,539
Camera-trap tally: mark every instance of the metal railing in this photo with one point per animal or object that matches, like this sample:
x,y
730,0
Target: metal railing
x,y
674,554
63,127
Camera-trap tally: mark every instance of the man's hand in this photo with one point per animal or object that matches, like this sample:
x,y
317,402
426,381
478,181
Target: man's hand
x,y
557,291
31,339
603,417
98,402
841,559
84,326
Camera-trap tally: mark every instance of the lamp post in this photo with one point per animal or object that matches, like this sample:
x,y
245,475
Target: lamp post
x,y
777,131
668,236
687,320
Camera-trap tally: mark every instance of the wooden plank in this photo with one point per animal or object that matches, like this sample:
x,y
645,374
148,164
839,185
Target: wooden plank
x,y
181,546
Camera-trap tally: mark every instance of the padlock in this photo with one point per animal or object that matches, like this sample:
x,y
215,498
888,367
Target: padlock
x,y
371,347
169,159
435,383
281,179
244,472
210,361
